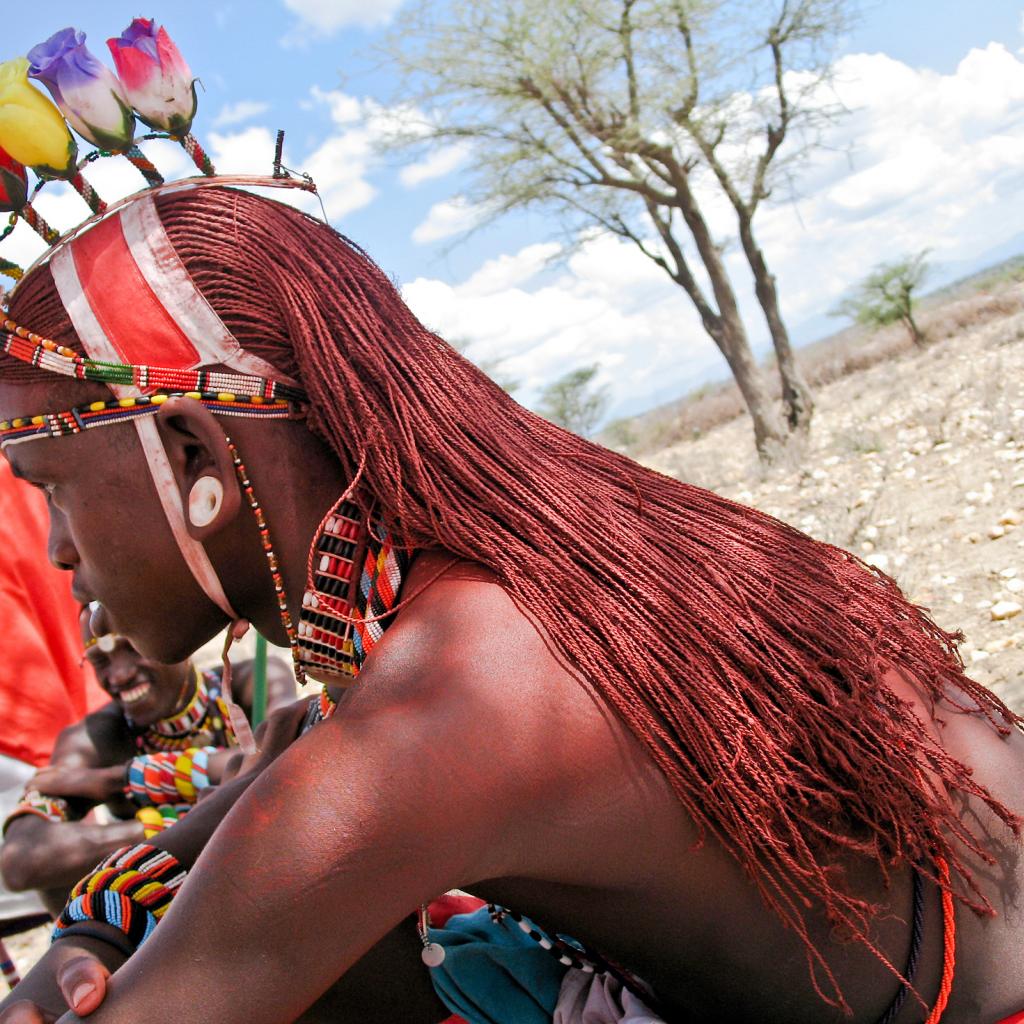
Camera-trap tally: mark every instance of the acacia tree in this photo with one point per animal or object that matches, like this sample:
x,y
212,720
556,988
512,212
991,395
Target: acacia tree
x,y
572,402
612,114
739,135
887,295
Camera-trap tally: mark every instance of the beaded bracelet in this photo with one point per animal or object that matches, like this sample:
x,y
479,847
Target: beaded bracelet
x,y
155,819
131,890
50,808
168,777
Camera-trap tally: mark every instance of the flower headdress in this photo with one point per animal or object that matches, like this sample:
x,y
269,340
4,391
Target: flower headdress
x,y
153,83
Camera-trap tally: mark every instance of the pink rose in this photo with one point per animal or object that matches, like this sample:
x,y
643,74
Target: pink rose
x,y
156,79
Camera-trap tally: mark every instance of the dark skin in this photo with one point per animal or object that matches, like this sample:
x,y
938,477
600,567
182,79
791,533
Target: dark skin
x,y
87,766
543,801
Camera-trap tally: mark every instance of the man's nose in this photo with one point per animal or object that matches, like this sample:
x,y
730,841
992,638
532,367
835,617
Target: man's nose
x,y
122,669
60,549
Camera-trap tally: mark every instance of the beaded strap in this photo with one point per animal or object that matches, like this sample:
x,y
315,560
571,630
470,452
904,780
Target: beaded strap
x,y
170,777
50,808
131,890
572,953
47,354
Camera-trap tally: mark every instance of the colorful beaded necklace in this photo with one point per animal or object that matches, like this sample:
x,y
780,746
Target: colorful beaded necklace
x,y
204,710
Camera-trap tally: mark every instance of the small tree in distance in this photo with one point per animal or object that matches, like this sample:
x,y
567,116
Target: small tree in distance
x,y
572,402
887,295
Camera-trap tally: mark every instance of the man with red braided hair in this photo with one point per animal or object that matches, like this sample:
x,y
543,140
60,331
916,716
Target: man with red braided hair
x,y
736,765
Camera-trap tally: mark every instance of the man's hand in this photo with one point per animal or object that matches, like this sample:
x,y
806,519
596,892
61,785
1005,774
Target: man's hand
x,y
78,781
72,974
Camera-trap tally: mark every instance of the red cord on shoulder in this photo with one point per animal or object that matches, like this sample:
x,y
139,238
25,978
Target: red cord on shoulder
x,y
948,945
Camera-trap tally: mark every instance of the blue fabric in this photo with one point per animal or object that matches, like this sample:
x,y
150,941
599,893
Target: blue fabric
x,y
495,973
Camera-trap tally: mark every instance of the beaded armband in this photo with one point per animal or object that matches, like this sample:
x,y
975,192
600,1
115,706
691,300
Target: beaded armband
x,y
131,890
169,777
155,819
50,808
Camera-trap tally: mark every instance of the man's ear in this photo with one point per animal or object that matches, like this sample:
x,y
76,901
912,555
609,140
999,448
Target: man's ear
x,y
202,465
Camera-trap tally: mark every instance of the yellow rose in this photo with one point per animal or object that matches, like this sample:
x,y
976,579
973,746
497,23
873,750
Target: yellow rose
x,y
32,129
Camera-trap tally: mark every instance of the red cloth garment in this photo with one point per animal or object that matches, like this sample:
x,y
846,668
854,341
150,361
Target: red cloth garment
x,y
43,684
1016,1018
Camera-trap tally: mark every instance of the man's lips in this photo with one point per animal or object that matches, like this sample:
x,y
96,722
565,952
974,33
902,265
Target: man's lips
x,y
99,621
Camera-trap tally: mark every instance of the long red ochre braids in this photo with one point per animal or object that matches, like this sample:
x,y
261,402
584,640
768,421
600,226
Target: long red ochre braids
x,y
747,657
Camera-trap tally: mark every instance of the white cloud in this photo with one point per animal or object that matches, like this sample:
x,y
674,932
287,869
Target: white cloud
x,y
236,113
445,219
434,165
341,164
923,160
321,19
607,304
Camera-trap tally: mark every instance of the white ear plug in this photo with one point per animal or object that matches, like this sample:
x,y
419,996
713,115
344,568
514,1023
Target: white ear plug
x,y
204,500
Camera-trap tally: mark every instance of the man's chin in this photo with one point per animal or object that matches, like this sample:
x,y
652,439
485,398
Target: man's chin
x,y
153,643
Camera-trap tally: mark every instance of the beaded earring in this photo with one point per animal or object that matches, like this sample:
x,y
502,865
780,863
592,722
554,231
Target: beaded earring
x,y
325,633
339,628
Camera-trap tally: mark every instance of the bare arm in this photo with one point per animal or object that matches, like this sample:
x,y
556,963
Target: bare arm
x,y
184,841
41,854
280,684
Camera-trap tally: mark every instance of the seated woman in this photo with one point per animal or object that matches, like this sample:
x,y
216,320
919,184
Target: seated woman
x,y
745,775
125,755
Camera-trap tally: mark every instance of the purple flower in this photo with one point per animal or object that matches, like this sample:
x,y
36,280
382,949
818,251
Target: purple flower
x,y
156,78
87,91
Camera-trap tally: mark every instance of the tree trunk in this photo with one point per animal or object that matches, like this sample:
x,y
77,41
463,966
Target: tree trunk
x,y
728,332
769,433
796,394
916,334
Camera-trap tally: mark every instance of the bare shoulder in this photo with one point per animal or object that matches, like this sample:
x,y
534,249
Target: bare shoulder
x,y
492,684
462,631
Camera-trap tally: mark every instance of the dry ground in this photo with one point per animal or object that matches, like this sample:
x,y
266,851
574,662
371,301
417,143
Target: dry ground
x,y
917,465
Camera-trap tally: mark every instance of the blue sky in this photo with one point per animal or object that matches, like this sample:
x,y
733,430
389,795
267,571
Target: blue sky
x,y
930,156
